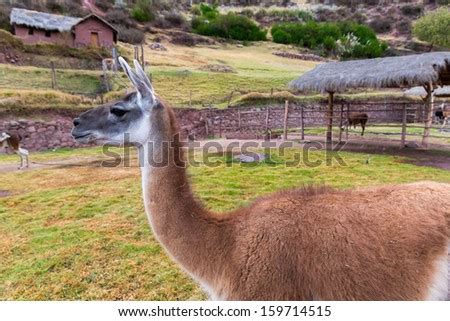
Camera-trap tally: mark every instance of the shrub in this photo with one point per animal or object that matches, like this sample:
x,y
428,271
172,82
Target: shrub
x,y
281,36
4,19
381,25
175,18
142,11
120,17
411,10
105,5
130,35
231,25
434,27
352,39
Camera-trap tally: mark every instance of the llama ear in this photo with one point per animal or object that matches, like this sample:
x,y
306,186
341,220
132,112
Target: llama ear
x,y
142,75
141,85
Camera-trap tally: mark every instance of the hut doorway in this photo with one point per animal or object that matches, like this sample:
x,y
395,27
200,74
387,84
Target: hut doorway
x,y
95,39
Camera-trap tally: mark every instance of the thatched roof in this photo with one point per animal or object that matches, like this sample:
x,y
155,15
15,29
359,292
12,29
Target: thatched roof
x,y
412,70
42,20
420,91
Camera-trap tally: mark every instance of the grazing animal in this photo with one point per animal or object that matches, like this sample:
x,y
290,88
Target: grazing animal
x,y
12,141
379,243
354,119
443,116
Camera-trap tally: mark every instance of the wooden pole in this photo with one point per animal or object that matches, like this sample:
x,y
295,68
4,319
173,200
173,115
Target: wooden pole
x,y
52,66
239,119
142,57
429,115
341,122
302,121
267,119
286,113
404,118
329,141
348,115
190,98
136,53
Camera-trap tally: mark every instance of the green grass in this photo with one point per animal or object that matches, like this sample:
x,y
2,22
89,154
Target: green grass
x,y
386,132
81,232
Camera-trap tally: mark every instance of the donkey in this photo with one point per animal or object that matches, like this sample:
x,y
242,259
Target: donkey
x,y
12,141
354,119
379,243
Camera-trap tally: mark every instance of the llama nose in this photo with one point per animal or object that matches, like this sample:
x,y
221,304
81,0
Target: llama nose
x,y
76,122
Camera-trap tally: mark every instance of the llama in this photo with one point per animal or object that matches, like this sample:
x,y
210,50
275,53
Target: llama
x,y
354,119
379,243
12,141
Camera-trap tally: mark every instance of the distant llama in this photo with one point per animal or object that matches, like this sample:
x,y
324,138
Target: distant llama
x,y
11,141
378,243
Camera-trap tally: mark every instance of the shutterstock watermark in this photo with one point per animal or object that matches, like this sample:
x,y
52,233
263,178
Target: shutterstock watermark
x,y
219,153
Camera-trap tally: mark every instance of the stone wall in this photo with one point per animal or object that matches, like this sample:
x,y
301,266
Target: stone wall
x,y
52,130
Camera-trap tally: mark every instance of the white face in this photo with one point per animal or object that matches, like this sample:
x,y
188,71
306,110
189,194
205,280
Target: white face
x,y
126,121
4,137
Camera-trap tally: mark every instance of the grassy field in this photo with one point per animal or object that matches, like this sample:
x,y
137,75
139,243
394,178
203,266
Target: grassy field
x,y
181,75
81,233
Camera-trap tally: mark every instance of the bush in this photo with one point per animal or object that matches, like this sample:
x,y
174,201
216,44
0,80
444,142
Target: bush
x,y
281,36
176,19
381,25
120,17
411,10
353,39
434,28
142,11
4,19
231,26
104,5
130,35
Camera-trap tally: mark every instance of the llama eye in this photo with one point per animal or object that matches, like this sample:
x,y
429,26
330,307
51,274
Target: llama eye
x,y
118,112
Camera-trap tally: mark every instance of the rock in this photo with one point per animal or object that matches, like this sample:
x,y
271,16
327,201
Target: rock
x,y
31,129
157,46
239,46
412,145
250,158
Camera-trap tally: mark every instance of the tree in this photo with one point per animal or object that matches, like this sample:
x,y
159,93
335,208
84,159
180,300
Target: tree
x,y
434,28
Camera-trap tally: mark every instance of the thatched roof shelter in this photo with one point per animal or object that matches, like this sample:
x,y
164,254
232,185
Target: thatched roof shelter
x,y
42,20
420,91
404,71
428,70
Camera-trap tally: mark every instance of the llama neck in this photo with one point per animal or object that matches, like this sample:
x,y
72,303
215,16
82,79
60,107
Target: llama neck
x,y
178,220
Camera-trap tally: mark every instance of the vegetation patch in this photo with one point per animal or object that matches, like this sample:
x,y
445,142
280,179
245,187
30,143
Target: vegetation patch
x,y
229,26
343,39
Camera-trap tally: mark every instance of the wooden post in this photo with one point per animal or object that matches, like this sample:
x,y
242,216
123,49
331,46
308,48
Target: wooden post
x,y
220,127
341,122
271,92
429,115
190,98
115,59
404,119
267,119
142,57
348,115
239,118
53,72
302,121
286,112
329,141
136,52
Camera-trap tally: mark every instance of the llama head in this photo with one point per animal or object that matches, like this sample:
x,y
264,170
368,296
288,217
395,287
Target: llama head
x,y
126,121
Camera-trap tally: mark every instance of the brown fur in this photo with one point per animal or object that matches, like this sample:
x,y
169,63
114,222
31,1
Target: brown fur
x,y
358,119
312,243
13,142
